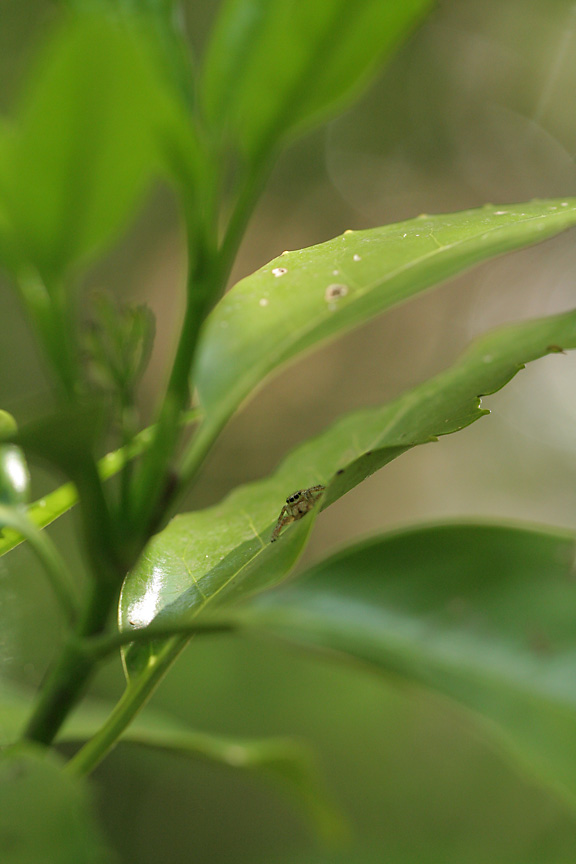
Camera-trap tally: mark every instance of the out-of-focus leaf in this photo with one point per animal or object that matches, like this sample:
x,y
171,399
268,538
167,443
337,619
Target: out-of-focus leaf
x,y
97,122
164,19
219,555
275,67
118,341
45,510
45,815
481,613
286,761
312,295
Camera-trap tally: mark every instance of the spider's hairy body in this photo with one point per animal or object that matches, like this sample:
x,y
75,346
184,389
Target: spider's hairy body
x,y
297,505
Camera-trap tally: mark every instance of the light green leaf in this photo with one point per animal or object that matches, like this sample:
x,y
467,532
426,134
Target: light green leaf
x,y
97,122
481,613
45,815
286,761
221,554
234,557
312,295
275,67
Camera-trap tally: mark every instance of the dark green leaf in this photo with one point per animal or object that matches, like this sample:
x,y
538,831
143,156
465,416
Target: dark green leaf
x,y
481,613
307,297
275,66
45,815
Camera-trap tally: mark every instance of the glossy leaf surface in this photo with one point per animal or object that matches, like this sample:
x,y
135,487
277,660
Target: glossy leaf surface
x,y
45,815
275,66
219,555
480,613
307,297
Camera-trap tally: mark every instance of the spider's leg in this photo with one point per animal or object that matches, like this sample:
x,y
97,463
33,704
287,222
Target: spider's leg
x,y
283,520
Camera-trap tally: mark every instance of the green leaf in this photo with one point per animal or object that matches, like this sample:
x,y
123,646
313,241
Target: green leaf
x,y
307,297
163,19
481,613
97,122
274,67
234,557
286,761
221,554
45,815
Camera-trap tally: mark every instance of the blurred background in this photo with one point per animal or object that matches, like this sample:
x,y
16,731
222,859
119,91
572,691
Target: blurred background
x,y
477,107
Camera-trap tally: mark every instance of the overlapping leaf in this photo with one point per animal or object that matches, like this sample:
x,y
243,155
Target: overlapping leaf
x,y
267,320
304,298
481,613
221,554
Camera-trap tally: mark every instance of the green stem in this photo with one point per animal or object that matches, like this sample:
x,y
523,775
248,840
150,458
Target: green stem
x,y
150,484
102,646
192,460
69,676
47,509
133,699
248,194
207,433
50,312
58,574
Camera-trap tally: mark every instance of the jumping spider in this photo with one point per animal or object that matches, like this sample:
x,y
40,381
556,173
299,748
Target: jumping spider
x,y
297,505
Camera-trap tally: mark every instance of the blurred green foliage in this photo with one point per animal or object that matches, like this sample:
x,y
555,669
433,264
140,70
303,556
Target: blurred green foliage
x,y
474,108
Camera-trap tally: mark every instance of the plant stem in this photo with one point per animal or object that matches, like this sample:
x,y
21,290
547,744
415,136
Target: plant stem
x,y
133,699
51,314
47,509
249,192
99,647
70,674
57,572
150,483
